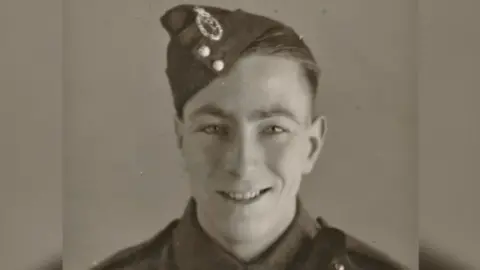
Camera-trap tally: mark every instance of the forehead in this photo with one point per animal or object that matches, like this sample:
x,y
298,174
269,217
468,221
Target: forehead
x,y
257,82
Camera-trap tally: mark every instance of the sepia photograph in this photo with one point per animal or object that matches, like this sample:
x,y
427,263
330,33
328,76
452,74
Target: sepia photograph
x,y
226,135
208,134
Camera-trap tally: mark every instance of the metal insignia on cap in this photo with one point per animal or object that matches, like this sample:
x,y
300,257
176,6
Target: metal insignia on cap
x,y
208,25
218,65
204,51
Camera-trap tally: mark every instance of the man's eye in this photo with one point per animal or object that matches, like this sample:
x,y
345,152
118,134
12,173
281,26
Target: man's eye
x,y
273,130
214,130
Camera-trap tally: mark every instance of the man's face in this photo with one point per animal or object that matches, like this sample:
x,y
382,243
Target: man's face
x,y
247,139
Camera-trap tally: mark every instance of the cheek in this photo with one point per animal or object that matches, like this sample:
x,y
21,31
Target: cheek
x,y
201,160
201,155
285,158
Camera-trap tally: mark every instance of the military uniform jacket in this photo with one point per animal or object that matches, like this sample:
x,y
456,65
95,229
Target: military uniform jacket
x,y
306,245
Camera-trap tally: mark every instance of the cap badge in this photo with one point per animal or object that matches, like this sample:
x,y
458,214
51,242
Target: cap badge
x,y
208,25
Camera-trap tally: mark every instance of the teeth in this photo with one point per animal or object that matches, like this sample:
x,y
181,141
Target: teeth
x,y
243,196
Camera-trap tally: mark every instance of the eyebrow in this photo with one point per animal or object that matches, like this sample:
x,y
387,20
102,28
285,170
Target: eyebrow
x,y
275,110
209,109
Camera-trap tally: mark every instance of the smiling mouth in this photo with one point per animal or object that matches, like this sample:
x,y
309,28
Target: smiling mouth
x,y
244,197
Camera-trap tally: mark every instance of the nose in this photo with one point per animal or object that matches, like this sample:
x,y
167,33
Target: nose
x,y
241,156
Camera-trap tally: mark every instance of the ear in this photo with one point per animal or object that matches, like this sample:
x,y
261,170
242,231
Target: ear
x,y
179,131
316,135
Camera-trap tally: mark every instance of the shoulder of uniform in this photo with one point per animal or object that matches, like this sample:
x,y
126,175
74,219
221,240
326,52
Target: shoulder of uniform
x,y
371,262
351,253
365,256
137,253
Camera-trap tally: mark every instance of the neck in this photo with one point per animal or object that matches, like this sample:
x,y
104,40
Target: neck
x,y
253,247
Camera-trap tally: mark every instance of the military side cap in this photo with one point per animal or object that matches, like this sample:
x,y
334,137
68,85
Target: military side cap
x,y
205,42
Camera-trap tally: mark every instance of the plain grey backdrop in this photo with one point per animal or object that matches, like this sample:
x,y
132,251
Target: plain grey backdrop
x,y
121,179
30,132
449,95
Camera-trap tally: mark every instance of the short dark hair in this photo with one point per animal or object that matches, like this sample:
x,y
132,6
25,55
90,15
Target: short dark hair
x,y
268,46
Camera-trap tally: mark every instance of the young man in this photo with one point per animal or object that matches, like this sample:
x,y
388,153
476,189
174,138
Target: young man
x,y
243,87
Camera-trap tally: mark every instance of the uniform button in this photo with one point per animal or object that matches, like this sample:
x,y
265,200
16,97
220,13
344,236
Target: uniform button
x,y
204,51
339,266
218,65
